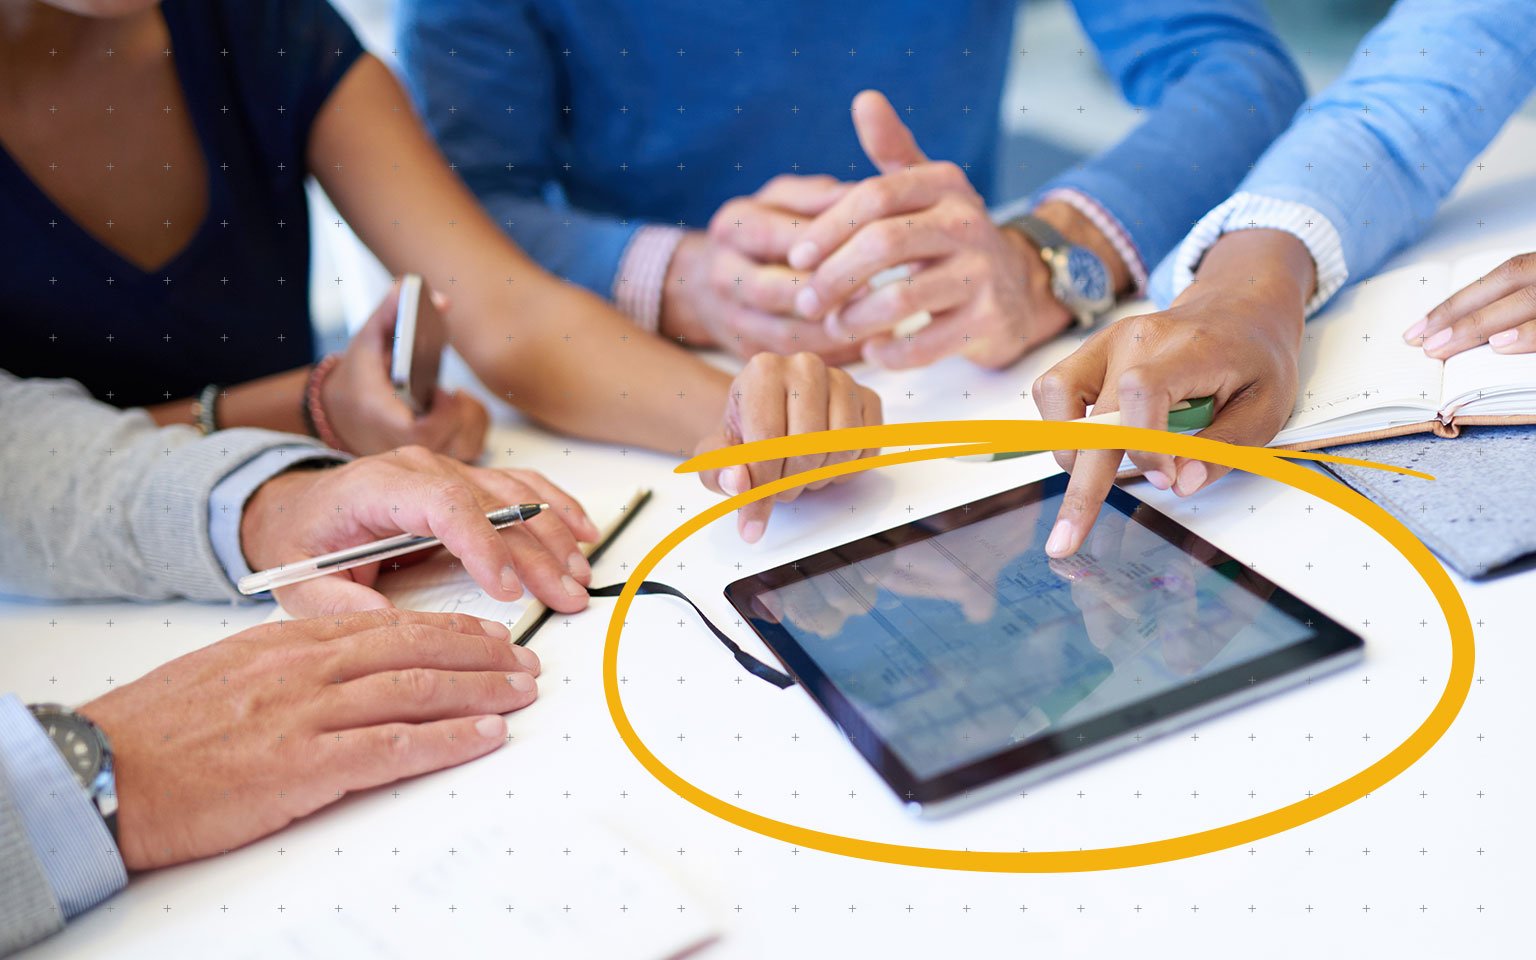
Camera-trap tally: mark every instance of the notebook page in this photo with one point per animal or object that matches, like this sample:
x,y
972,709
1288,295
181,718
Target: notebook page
x,y
1479,381
439,584
1356,372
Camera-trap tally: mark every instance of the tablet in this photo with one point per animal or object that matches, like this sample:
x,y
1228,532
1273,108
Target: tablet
x,y
961,661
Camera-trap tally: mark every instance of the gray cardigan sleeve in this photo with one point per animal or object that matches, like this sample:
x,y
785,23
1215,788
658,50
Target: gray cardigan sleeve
x,y
99,503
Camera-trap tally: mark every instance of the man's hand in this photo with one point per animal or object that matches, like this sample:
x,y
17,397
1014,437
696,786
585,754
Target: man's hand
x,y
987,290
305,513
730,286
776,396
237,740
360,401
1499,310
1234,335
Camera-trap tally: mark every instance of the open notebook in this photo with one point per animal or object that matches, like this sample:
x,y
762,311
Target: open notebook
x,y
438,584
1360,381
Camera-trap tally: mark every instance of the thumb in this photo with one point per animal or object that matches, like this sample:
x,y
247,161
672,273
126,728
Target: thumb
x,y
887,142
378,333
728,480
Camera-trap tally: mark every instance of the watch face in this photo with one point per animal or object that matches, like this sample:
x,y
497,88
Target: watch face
x,y
77,743
1087,275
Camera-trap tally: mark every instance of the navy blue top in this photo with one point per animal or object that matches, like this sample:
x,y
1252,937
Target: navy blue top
x,y
234,304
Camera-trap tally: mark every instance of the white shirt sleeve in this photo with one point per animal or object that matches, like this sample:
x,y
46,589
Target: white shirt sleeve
x,y
1249,211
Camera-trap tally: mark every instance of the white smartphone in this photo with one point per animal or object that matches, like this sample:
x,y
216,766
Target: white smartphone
x,y
420,336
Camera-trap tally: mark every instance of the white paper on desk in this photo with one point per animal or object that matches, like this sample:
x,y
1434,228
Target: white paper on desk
x,y
439,583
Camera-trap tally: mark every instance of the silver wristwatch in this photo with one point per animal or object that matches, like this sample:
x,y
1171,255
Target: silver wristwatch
x,y
1079,279
88,754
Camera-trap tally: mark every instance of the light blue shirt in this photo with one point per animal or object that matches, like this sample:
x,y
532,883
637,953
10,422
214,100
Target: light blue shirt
x,y
66,832
1361,171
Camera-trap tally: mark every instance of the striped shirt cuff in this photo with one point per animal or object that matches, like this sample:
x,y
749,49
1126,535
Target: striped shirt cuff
x,y
1112,229
1251,211
67,834
226,502
643,273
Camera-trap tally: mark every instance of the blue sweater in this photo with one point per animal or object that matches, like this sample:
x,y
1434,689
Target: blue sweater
x,y
576,121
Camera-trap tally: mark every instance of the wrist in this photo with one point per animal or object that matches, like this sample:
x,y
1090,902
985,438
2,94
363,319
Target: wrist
x,y
1079,230
1269,265
679,316
1050,316
261,519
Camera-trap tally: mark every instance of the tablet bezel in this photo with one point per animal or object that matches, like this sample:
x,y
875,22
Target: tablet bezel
x,y
1329,646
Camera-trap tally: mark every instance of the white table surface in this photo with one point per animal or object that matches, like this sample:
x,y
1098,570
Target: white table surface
x,y
1432,864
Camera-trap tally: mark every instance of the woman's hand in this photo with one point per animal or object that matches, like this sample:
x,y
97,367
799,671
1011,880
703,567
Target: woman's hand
x,y
361,406
1499,310
775,396
1235,335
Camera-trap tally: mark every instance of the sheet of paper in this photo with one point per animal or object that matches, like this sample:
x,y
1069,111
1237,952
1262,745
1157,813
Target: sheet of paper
x,y
1479,381
438,583
1356,372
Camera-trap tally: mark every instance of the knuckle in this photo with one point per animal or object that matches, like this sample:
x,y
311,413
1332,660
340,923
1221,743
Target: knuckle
x,y
1526,296
1053,387
418,685
1073,503
1515,267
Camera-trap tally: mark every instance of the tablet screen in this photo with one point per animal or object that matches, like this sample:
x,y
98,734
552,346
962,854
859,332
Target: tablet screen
x,y
959,639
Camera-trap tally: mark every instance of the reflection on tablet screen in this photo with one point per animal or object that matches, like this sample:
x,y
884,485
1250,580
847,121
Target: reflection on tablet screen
x,y
959,646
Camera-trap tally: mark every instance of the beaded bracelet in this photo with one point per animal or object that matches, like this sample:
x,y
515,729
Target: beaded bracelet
x,y
314,409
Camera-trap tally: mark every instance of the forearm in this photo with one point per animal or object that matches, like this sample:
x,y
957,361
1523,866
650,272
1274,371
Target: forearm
x,y
559,353
1213,87
1377,151
98,503
275,402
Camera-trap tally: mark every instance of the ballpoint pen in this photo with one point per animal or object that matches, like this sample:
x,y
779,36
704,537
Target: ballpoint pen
x,y
301,570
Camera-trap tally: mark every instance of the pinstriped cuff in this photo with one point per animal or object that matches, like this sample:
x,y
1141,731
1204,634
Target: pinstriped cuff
x,y
67,834
1112,229
170,511
1251,211
643,273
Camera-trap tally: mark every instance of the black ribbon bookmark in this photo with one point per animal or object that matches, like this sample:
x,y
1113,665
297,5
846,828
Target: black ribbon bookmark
x,y
753,665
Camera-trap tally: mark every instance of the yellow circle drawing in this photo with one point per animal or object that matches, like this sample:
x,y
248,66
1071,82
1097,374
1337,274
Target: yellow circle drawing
x,y
957,438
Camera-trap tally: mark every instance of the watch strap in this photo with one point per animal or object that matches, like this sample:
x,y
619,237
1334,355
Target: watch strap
x,y
1040,233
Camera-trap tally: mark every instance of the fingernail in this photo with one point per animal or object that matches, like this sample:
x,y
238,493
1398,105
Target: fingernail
x,y
491,727
752,531
495,631
510,583
1416,331
730,480
1158,479
578,565
1191,477
521,682
806,302
802,254
572,587
527,658
440,300
1438,340
1504,338
1061,536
